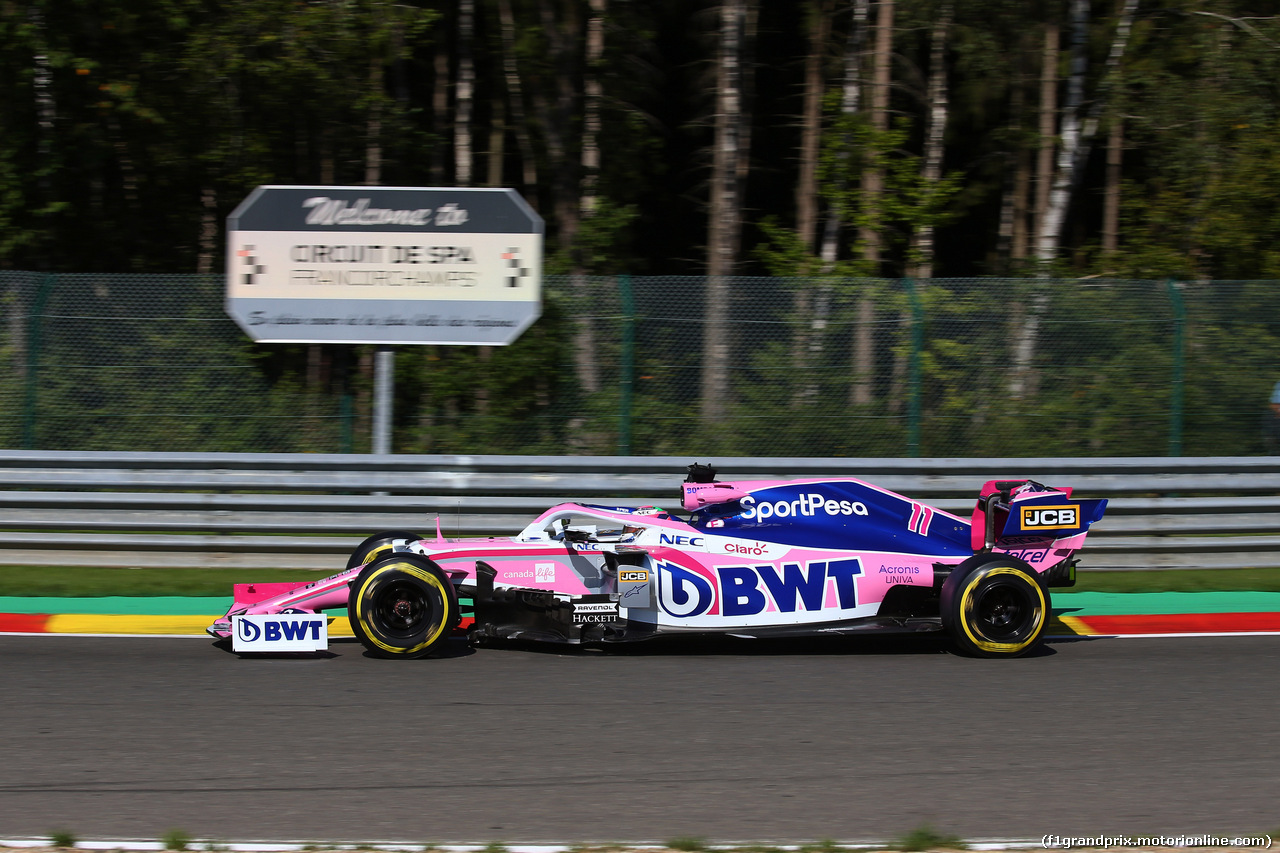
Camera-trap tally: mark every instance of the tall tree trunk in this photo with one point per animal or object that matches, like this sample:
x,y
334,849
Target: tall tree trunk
x,y
873,179
920,264
935,134
208,231
515,101
725,210
1111,79
1071,163
593,93
462,150
465,95
328,162
811,123
434,357
1111,202
1049,231
557,120
851,90
440,108
804,342
497,143
46,121
584,337
1012,244
1048,121
1026,318
850,100
373,129
872,187
747,63
1115,133
1021,186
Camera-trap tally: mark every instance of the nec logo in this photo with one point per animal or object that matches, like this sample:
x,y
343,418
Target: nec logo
x,y
692,541
1049,517
280,633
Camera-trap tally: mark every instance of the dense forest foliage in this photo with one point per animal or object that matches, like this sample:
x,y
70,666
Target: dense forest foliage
x,y
1136,138
845,144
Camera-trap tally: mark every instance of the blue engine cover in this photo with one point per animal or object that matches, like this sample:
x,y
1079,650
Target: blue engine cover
x,y
844,515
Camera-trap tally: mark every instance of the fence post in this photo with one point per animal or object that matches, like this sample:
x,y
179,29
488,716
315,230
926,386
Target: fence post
x,y
626,383
1176,393
35,328
913,368
384,378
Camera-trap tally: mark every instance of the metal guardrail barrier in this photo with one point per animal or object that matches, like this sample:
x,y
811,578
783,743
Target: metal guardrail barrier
x,y
308,511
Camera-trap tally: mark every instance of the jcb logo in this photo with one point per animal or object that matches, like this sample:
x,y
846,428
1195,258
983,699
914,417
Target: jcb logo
x,y
634,575
1049,517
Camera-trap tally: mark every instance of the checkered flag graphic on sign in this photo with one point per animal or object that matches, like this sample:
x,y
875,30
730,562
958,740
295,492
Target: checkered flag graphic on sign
x,y
515,272
252,268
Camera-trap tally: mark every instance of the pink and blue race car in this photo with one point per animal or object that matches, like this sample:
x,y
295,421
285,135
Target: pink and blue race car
x,y
748,559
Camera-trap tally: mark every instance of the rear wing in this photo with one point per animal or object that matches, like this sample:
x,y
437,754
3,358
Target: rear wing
x,y
1018,512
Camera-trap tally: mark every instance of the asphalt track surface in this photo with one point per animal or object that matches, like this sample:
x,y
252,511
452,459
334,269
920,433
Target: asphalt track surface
x,y
730,741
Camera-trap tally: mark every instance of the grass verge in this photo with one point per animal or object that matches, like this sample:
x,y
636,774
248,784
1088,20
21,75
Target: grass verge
x,y
92,582
927,838
1181,580
89,582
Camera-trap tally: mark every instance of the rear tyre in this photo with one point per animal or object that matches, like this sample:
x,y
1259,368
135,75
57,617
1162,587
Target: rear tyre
x,y
402,606
994,606
377,545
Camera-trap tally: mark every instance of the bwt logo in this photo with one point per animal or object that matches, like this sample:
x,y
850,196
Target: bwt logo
x,y
1049,517
280,630
748,590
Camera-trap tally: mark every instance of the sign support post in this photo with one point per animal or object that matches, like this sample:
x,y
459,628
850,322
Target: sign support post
x,y
384,365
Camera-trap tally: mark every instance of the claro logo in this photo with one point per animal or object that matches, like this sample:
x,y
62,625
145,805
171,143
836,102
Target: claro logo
x,y
755,549
808,505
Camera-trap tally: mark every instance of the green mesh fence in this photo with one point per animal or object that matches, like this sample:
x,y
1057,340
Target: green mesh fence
x,y
620,364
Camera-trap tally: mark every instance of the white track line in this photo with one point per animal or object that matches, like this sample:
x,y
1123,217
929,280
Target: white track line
x,y
137,844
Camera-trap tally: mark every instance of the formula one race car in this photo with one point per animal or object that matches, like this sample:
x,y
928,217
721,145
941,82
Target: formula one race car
x,y
752,559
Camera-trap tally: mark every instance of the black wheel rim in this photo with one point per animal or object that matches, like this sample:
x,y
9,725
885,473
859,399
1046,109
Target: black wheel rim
x,y
403,608
1006,611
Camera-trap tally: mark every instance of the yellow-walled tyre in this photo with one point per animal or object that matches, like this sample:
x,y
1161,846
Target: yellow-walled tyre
x,y
377,545
402,606
994,606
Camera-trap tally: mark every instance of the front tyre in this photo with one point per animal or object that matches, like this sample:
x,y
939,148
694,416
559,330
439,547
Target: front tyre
x,y
402,606
994,606
378,545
